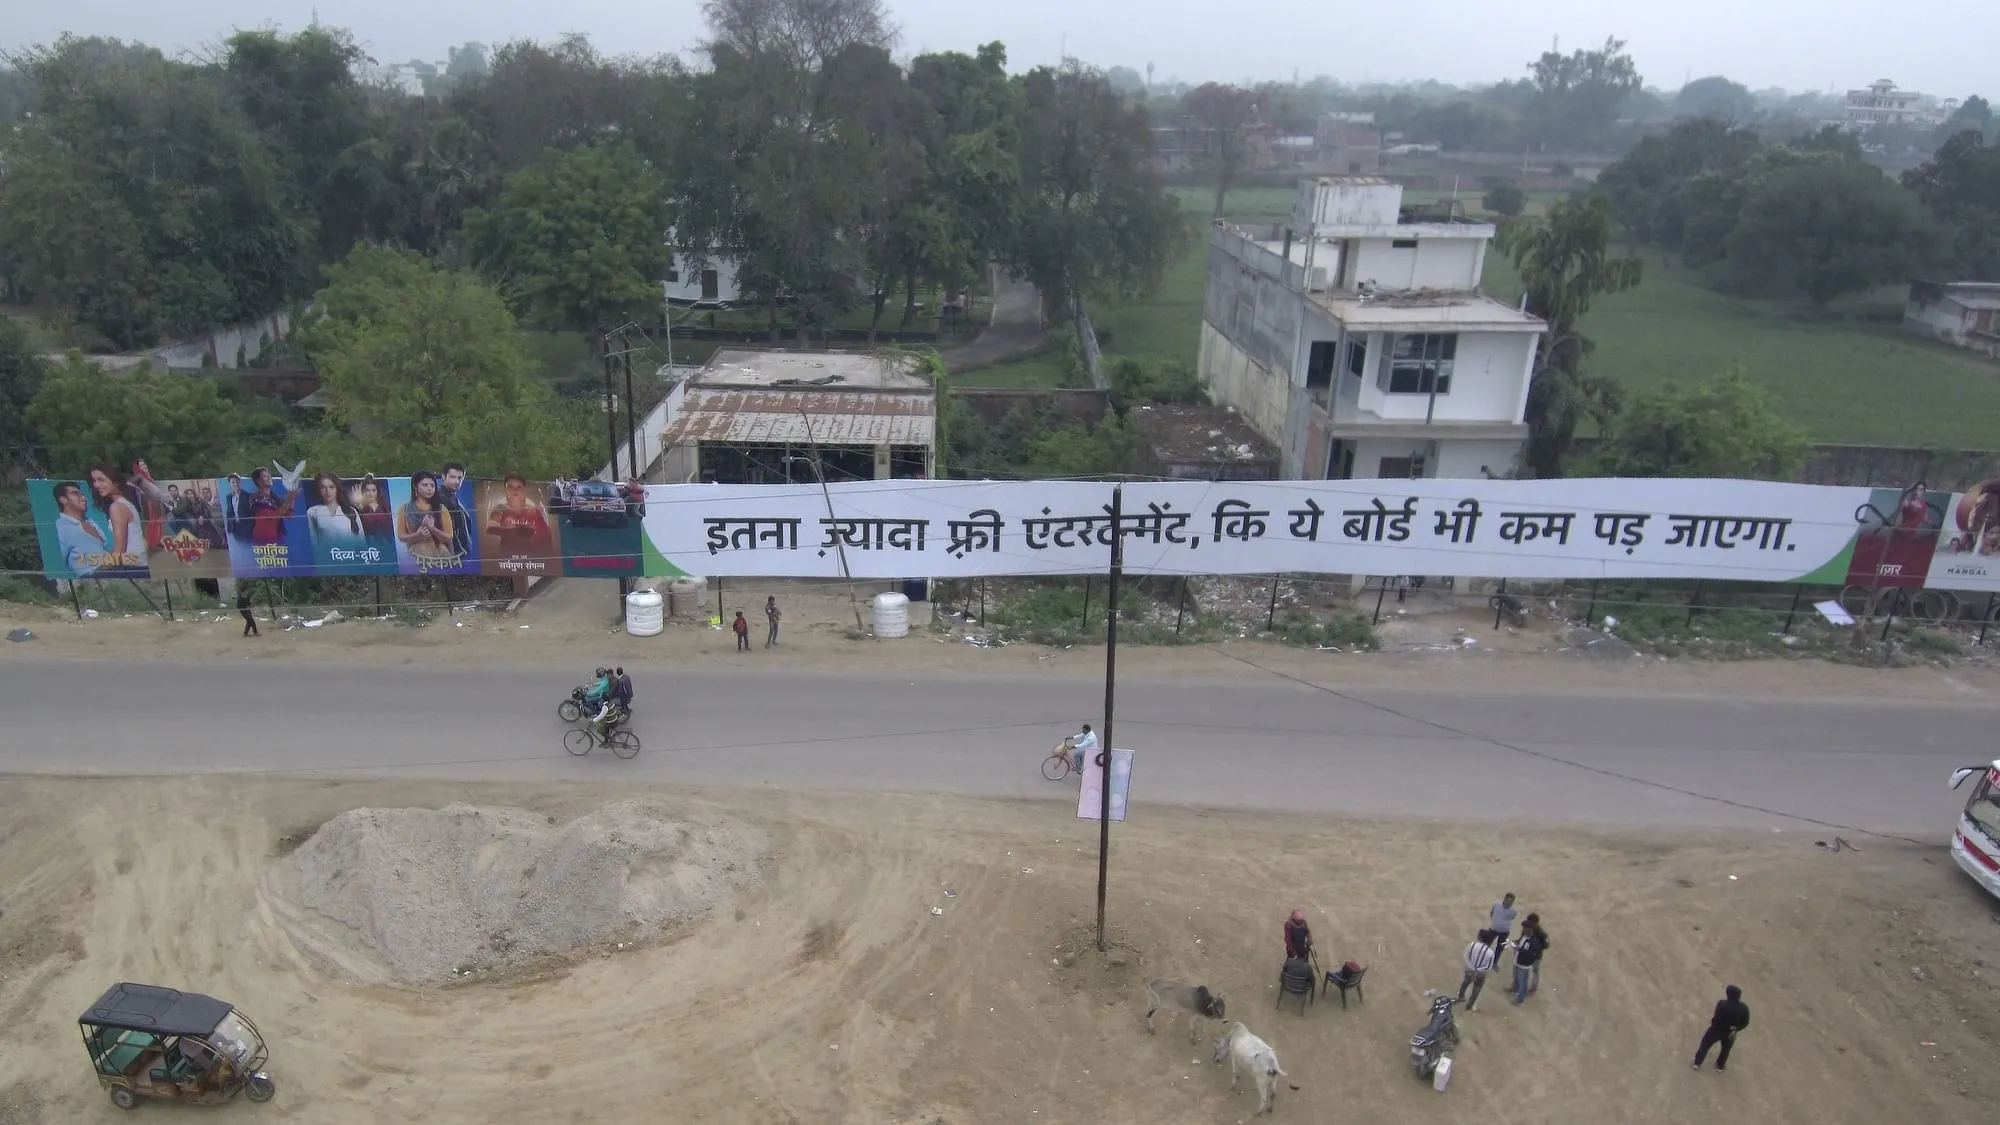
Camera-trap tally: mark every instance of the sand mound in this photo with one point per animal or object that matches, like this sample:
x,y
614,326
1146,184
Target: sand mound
x,y
421,895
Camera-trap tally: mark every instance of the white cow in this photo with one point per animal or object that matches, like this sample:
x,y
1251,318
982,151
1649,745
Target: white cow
x,y
1247,1052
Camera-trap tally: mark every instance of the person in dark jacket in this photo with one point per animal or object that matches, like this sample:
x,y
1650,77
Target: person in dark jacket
x,y
1528,956
1731,1016
1298,936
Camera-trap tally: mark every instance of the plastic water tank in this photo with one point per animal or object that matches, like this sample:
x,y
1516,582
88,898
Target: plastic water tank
x,y
645,613
892,616
687,597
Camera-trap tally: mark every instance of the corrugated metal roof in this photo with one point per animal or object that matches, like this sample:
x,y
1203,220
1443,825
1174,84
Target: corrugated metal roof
x,y
828,417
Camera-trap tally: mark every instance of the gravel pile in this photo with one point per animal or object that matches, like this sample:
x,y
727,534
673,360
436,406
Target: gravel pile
x,y
433,893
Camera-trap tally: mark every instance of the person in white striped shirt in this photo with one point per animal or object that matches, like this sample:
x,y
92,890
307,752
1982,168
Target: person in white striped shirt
x,y
1479,960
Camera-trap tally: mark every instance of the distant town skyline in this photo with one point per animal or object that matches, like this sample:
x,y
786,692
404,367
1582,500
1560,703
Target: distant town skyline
x,y
1818,46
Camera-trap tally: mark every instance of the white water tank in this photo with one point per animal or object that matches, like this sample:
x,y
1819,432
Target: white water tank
x,y
687,597
645,613
892,616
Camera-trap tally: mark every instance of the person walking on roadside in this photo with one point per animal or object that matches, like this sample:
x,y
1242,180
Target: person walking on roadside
x,y
741,628
1731,1016
1528,957
1500,921
771,614
1479,961
243,607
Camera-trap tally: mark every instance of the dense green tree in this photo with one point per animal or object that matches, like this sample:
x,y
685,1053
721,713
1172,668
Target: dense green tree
x,y
1578,96
423,364
1504,199
580,237
1725,427
1828,228
1717,97
1094,217
141,201
181,425
301,94
1961,186
21,376
1974,114
1223,114
1566,263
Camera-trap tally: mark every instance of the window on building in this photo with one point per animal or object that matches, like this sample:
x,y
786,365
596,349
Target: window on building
x,y
1357,356
1404,244
673,276
1421,365
1319,365
711,286
1401,468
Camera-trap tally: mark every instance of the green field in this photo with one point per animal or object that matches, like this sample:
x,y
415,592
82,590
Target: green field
x,y
1852,376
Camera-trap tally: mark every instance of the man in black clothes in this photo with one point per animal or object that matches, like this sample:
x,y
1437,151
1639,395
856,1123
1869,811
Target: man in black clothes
x,y
1731,1016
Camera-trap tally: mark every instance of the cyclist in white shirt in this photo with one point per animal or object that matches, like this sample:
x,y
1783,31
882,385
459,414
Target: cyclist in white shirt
x,y
1081,743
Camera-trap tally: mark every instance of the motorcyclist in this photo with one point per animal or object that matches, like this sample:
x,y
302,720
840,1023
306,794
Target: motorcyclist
x,y
600,688
1081,743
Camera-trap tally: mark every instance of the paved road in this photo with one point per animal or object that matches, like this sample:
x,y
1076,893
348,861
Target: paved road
x,y
1876,765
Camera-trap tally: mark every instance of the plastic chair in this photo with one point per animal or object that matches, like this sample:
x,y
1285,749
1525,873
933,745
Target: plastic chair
x,y
1345,979
1296,979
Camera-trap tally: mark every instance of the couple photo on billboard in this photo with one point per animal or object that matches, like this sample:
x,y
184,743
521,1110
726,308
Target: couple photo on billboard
x,y
284,522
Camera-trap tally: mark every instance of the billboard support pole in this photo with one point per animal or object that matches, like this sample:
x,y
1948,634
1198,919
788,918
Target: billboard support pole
x,y
271,600
168,586
1110,704
378,595
1985,620
1271,611
1797,593
75,602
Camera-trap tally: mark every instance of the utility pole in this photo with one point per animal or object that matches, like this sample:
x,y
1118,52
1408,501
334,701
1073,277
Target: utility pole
x,y
611,440
1110,703
839,543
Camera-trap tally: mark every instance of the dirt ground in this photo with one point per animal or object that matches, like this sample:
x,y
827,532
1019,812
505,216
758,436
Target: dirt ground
x,y
819,633
833,993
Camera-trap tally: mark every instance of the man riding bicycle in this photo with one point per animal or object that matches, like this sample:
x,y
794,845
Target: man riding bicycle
x,y
1081,743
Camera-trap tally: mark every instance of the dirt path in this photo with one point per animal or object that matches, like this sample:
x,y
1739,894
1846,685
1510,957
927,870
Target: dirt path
x,y
1013,331
834,994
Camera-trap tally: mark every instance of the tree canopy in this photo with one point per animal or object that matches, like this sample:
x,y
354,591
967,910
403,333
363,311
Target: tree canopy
x,y
1807,217
1566,262
181,425
1726,426
422,363
580,236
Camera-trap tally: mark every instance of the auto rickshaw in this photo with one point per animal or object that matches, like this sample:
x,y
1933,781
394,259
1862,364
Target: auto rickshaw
x,y
151,1042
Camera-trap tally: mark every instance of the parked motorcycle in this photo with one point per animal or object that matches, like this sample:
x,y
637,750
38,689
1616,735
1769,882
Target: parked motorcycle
x,y
1432,1046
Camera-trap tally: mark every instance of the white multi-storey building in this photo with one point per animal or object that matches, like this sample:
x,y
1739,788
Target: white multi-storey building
x,y
1361,345
1882,105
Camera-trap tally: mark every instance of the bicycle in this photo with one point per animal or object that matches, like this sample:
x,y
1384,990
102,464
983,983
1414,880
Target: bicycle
x,y
622,742
1060,761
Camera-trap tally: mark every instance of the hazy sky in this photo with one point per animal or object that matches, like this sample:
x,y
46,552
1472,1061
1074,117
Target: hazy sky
x,y
1946,47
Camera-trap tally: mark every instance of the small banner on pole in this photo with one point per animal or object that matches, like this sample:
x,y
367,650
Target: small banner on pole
x,y
1090,799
